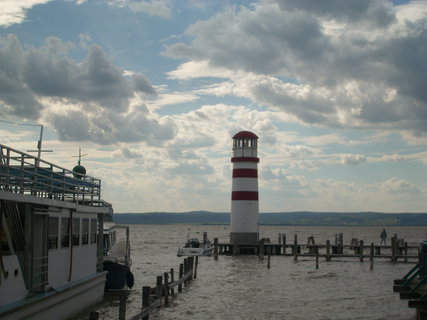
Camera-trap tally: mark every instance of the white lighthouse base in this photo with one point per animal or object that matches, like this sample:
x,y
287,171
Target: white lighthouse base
x,y
244,238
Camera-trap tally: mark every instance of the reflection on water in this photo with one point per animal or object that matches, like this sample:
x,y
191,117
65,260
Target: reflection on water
x,y
241,287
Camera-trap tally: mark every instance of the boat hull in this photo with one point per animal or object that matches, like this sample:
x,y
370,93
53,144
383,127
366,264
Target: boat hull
x,y
60,304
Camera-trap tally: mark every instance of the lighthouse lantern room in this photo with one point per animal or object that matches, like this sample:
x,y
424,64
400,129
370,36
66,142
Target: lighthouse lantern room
x,y
244,195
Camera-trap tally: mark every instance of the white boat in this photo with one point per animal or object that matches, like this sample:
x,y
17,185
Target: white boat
x,y
117,259
51,248
194,247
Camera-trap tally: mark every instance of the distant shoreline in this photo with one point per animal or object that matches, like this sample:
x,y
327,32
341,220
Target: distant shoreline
x,y
300,218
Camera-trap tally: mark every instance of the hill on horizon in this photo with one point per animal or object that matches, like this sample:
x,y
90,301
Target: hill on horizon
x,y
297,218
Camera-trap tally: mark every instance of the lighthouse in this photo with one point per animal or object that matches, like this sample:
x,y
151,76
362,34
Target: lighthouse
x,y
244,194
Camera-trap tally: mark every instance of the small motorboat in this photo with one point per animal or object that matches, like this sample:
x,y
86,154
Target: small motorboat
x,y
193,247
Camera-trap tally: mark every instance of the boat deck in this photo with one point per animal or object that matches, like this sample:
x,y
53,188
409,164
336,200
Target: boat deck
x,y
21,173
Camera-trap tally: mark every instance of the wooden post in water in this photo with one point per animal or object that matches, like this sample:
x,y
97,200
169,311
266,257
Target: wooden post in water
x,y
328,250
261,249
268,256
284,243
406,251
216,248
310,244
393,249
317,257
122,306
185,268
295,248
145,298
166,288
280,238
191,266
195,267
181,273
159,288
354,245
371,256
361,250
172,280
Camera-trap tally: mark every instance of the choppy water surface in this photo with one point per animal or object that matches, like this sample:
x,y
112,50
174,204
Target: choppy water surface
x,y
242,287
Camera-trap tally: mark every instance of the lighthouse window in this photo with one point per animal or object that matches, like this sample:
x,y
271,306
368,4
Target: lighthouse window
x,y
65,232
92,230
76,231
85,231
53,232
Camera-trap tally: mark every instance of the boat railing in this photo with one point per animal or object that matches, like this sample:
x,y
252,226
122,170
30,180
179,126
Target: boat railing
x,y
25,174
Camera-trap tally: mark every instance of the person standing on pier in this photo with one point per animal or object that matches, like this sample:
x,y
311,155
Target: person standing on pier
x,y
383,237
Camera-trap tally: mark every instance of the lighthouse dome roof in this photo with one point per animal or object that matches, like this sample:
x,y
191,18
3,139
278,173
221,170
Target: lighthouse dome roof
x,y
245,134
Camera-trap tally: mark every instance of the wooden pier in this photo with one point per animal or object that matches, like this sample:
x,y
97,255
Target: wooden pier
x,y
398,250
413,286
159,295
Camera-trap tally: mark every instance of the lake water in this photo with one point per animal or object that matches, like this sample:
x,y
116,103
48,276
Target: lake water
x,y
242,287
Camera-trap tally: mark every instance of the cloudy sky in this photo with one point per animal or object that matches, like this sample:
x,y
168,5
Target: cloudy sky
x,y
153,91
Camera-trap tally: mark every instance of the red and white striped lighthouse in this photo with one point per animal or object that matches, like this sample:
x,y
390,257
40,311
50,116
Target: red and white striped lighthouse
x,y
244,194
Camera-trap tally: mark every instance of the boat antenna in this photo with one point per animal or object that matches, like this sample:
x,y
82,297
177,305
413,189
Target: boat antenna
x,y
80,155
39,143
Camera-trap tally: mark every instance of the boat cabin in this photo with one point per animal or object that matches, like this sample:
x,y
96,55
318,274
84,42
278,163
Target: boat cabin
x,y
50,238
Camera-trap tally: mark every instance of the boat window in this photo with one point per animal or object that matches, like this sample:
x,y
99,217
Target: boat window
x,y
76,231
65,232
93,230
106,238
85,231
53,232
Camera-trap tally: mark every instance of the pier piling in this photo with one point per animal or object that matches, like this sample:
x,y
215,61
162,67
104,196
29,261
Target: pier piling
x,y
122,306
146,290
172,280
216,248
328,250
284,243
166,288
181,274
317,258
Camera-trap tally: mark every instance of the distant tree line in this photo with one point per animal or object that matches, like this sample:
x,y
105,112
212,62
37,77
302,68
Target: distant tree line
x,y
300,218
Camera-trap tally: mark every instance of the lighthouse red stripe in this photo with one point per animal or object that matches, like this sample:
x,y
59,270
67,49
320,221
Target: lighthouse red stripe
x,y
244,195
245,173
244,159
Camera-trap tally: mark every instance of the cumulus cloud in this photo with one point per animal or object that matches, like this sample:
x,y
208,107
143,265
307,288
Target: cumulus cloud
x,y
352,159
191,169
90,100
153,8
354,64
299,151
12,12
397,186
393,157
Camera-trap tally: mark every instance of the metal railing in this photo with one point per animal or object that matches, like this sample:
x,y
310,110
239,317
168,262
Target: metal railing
x,y
25,174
